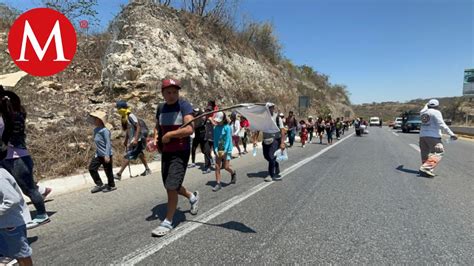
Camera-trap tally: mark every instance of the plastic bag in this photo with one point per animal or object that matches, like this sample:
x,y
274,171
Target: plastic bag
x,y
281,156
254,152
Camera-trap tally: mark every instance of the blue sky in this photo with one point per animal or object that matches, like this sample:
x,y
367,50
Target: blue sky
x,y
383,50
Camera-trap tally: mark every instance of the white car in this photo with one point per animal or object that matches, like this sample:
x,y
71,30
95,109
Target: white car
x,y
398,123
374,121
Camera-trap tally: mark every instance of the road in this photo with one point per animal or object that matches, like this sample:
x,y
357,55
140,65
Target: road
x,y
357,201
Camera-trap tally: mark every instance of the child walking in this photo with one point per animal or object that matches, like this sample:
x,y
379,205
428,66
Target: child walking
x,y
303,133
223,148
103,154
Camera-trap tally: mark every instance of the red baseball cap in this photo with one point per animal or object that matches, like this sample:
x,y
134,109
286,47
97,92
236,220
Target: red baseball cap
x,y
170,83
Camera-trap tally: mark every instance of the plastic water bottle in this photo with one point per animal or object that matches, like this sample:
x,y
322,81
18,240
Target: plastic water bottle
x,y
254,151
449,140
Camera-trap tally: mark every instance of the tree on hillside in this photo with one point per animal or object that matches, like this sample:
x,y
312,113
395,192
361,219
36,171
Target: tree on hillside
x,y
75,9
220,12
8,15
262,37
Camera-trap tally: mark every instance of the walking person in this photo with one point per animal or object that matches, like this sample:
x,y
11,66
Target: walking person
x,y
173,143
14,215
103,154
431,147
338,128
223,148
16,158
320,126
235,127
208,142
244,132
271,143
310,127
303,133
135,138
199,136
292,125
329,129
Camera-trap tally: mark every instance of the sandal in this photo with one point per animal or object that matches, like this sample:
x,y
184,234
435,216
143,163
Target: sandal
x,y
162,230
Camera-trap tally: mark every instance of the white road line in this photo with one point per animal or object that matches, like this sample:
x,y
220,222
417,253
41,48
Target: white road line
x,y
416,147
395,134
141,254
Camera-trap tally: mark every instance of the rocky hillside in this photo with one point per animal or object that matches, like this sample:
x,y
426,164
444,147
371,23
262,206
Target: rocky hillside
x,y
151,42
146,43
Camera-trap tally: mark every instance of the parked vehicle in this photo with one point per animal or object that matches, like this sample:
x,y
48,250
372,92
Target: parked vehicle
x,y
398,123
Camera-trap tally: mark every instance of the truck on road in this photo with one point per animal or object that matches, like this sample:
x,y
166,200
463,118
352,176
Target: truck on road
x,y
410,121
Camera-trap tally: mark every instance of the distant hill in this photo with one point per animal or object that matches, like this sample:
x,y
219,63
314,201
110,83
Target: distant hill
x,y
454,108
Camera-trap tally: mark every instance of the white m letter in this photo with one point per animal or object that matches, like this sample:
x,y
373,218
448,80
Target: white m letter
x,y
55,33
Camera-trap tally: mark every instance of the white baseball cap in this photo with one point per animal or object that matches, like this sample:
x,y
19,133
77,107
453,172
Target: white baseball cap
x,y
219,117
433,103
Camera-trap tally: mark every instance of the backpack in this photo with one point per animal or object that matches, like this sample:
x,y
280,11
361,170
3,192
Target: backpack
x,y
143,127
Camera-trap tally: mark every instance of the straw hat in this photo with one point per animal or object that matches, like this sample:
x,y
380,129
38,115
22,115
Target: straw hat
x,y
102,116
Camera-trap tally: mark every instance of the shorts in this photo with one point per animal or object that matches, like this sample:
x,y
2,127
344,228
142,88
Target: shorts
x,y
173,168
427,146
14,243
135,151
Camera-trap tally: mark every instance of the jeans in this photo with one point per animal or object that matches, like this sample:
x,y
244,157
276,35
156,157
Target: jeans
x,y
291,136
310,133
197,142
268,154
207,154
96,162
22,170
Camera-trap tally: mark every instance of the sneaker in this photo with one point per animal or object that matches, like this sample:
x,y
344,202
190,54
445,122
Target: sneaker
x,y
108,188
118,177
217,187
277,178
147,172
195,205
31,225
233,178
97,189
207,171
303,146
162,230
268,179
192,165
426,172
37,221
46,192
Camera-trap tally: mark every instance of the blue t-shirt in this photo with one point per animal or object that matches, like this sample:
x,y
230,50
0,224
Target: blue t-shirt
x,y
223,139
102,142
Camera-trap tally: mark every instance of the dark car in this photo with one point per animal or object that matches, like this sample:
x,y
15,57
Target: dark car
x,y
411,121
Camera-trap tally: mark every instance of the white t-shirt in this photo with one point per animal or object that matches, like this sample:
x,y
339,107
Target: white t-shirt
x,y
432,122
235,127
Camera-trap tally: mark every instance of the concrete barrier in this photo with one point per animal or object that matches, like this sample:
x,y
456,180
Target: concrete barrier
x,y
463,130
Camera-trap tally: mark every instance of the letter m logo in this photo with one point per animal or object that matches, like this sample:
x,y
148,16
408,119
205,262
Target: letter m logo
x,y
28,34
42,42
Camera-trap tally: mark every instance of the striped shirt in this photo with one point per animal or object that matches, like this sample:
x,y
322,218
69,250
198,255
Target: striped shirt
x,y
170,118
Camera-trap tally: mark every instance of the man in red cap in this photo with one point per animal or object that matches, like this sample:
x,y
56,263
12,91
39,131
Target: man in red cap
x,y
174,144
